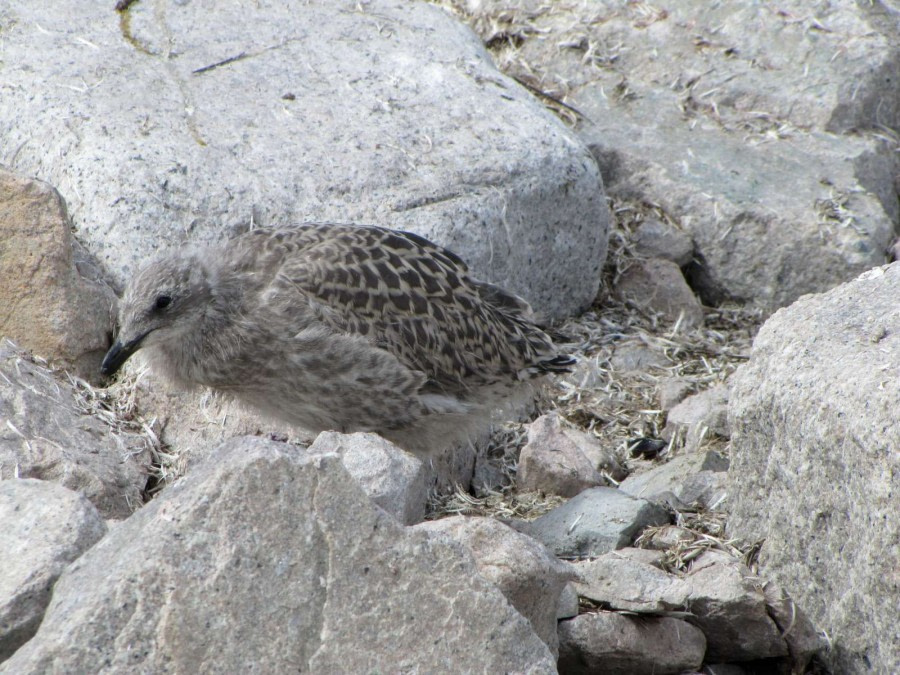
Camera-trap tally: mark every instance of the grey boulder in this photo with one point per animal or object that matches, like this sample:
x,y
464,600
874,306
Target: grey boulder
x,y
263,559
815,467
196,121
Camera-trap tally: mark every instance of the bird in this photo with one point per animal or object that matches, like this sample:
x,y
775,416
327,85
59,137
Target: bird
x,y
335,327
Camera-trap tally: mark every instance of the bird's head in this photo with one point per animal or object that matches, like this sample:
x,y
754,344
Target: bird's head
x,y
164,302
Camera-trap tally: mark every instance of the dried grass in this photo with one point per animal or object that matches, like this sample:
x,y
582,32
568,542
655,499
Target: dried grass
x,y
116,405
616,406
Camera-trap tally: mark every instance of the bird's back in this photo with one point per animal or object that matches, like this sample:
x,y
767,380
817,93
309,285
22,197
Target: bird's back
x,y
400,292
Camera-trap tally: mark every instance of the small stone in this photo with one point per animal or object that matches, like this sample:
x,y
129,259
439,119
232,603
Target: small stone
x,y
615,644
668,537
632,356
568,602
707,409
656,239
659,286
680,476
50,306
597,521
673,391
564,461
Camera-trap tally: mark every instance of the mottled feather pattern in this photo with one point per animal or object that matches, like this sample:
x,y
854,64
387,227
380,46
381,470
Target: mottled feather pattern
x,y
339,327
399,289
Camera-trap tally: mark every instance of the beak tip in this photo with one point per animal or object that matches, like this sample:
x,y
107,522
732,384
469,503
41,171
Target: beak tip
x,y
115,357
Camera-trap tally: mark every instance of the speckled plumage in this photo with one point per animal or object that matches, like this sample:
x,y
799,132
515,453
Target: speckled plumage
x,y
333,327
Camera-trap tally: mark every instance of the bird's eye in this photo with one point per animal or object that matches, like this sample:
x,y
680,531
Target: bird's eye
x,y
163,301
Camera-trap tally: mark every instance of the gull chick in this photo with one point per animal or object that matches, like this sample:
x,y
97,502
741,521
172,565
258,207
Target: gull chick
x,y
335,327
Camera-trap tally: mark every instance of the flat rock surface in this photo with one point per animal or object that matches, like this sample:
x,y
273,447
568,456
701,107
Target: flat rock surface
x,y
190,122
51,430
263,558
815,470
393,478
528,574
757,128
597,521
45,527
622,582
679,477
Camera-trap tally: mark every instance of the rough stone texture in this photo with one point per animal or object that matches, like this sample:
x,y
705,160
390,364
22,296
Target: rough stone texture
x,y
692,477
622,582
672,392
815,470
668,537
605,642
643,555
602,457
729,607
658,286
552,463
393,478
50,302
728,603
261,556
597,521
801,636
45,527
656,239
568,603
530,577
195,120
699,415
755,128
49,431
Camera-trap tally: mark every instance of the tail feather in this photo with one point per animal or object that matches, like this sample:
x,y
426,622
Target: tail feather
x,y
562,363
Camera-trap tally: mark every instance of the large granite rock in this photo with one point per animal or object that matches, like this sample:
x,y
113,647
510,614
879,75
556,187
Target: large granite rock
x,y
263,559
186,121
815,466
758,129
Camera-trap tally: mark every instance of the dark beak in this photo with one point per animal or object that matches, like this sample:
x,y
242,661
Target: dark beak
x,y
118,354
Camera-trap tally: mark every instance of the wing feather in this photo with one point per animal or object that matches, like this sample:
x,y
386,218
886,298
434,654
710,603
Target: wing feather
x,y
409,296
